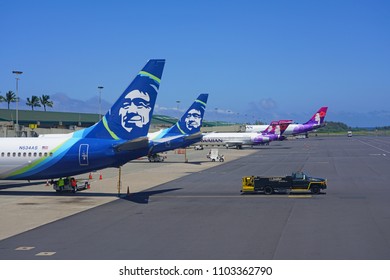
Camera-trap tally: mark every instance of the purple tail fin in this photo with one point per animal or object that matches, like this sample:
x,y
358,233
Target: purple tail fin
x,y
277,127
318,117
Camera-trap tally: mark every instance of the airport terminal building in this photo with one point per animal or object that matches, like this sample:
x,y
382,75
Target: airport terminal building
x,y
33,123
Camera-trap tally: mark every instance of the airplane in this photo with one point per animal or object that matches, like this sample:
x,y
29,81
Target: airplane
x,y
316,121
185,132
119,137
273,132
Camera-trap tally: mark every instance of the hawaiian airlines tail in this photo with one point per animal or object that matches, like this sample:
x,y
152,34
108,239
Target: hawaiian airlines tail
x,y
272,133
130,116
318,118
277,127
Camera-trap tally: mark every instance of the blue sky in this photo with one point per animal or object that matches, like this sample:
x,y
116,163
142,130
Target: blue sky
x,y
258,60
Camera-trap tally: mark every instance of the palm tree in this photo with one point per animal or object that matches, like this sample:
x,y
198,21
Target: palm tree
x,y
9,97
45,101
33,102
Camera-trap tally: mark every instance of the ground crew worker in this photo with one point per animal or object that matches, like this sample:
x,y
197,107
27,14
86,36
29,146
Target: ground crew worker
x,y
61,184
73,183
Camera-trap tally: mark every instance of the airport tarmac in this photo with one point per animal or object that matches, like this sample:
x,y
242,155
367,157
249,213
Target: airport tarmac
x,y
202,215
28,205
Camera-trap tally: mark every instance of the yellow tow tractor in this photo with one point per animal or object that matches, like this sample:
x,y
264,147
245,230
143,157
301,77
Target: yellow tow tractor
x,y
298,181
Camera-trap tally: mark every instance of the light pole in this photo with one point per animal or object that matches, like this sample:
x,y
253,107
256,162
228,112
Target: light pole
x,y
178,103
17,73
100,102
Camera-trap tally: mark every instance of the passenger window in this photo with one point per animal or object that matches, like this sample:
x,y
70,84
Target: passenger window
x,y
45,154
51,154
2,154
29,154
14,154
35,154
40,154
24,154
19,154
8,154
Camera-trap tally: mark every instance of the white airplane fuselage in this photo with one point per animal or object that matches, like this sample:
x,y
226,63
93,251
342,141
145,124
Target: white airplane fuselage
x,y
236,138
53,157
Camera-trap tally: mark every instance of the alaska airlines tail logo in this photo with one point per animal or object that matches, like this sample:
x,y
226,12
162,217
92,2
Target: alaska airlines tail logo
x,y
130,116
135,110
191,121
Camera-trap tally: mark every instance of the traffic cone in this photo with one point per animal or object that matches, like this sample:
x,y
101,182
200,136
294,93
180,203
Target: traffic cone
x,y
88,186
100,177
90,175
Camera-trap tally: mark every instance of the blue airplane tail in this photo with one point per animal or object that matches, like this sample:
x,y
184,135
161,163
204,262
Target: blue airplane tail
x,y
130,116
191,121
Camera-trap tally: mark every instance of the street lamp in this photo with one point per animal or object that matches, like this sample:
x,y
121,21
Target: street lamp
x,y
178,103
100,101
17,73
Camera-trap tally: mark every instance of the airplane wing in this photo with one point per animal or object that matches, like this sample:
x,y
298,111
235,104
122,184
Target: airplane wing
x,y
194,136
138,143
167,139
234,142
184,137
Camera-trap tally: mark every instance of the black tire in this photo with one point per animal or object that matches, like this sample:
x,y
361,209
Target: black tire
x,y
315,189
268,190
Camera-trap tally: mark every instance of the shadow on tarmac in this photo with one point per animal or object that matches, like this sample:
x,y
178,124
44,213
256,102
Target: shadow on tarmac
x,y
53,193
140,197
143,197
4,186
273,147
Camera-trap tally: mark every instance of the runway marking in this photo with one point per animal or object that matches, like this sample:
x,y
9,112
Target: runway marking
x,y
373,146
300,196
237,196
24,248
45,254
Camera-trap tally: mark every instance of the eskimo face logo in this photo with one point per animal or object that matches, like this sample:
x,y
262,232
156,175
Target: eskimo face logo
x,y
193,119
135,110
